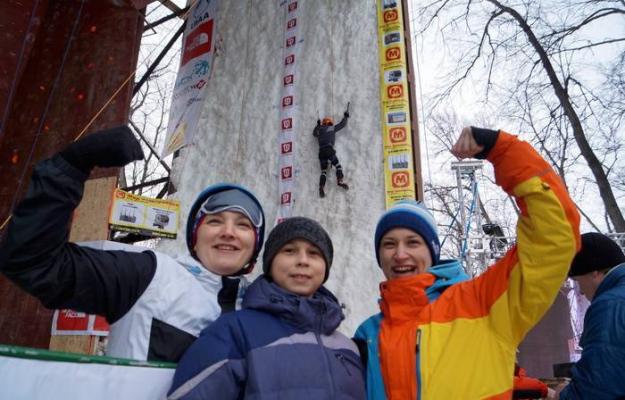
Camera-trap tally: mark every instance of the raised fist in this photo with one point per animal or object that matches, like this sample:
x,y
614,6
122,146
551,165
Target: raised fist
x,y
113,147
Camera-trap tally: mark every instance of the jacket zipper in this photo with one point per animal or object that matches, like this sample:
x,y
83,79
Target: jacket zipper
x,y
418,362
344,361
325,357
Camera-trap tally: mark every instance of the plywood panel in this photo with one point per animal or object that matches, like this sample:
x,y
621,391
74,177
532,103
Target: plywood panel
x,y
91,217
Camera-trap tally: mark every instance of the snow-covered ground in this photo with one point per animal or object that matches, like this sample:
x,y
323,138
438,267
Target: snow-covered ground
x,y
240,123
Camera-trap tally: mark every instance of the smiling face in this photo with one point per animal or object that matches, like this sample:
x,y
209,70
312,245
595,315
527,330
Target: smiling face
x,y
299,267
225,242
403,253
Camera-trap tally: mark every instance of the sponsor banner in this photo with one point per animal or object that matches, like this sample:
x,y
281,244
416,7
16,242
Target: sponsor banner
x,y
36,374
144,215
399,179
70,322
193,75
288,109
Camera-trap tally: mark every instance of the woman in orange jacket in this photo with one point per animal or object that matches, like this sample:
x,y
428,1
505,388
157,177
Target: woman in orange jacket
x,y
442,336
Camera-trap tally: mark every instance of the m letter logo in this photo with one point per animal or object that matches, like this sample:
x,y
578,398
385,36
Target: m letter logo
x,y
288,80
395,91
287,101
293,6
285,198
291,23
290,41
393,54
397,135
290,59
390,15
285,148
286,172
400,179
287,123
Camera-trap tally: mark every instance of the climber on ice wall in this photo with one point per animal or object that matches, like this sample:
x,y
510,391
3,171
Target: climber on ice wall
x,y
325,132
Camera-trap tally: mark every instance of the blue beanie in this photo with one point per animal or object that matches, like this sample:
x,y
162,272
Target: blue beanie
x,y
411,215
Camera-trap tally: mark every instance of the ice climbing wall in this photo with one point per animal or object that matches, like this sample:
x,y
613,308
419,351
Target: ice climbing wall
x,y
240,128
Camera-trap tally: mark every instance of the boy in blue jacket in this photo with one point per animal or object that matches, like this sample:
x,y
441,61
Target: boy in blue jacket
x,y
284,343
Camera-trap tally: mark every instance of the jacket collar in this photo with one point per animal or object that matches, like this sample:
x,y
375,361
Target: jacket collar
x,y
614,277
209,280
321,313
403,298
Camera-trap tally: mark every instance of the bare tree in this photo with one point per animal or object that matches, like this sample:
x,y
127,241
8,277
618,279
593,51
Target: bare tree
x,y
540,64
150,106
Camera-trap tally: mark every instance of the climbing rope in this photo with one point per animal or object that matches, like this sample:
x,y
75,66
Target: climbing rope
x,y
469,217
453,221
18,66
44,114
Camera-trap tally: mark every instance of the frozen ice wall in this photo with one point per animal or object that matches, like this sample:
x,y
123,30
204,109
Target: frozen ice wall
x,y
238,132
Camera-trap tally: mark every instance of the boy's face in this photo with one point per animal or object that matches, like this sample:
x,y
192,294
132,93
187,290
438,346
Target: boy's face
x,y
299,267
403,253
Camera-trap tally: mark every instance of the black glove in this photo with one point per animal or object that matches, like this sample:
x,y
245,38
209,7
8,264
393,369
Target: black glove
x,y
486,138
318,122
113,147
346,114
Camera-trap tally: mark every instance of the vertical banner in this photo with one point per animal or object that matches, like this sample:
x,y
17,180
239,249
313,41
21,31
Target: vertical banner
x,y
398,159
288,109
194,72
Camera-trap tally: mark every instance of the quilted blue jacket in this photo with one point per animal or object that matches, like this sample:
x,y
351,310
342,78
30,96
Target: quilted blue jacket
x,y
600,373
280,346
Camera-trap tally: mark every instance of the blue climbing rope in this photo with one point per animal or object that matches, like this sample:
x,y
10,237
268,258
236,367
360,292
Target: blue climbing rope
x,y
471,211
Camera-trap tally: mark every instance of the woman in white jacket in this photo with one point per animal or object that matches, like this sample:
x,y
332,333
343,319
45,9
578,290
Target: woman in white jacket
x,y
156,304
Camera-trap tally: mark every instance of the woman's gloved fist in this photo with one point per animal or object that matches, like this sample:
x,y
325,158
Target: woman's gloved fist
x,y
113,147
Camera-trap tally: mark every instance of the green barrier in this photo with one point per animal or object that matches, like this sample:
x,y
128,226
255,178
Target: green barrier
x,y
49,355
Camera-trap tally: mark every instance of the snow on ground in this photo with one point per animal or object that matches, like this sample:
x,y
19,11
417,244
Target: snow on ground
x,y
238,136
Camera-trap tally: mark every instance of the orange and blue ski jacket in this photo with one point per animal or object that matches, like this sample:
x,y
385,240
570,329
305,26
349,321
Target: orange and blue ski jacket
x,y
462,344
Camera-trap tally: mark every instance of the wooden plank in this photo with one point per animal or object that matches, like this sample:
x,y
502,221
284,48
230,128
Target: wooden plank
x,y
84,344
91,217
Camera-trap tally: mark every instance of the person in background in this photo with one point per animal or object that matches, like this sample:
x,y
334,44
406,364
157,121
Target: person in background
x,y
283,344
599,270
325,132
441,335
156,305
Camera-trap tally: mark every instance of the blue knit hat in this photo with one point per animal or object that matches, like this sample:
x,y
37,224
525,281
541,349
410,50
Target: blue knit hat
x,y
227,197
411,215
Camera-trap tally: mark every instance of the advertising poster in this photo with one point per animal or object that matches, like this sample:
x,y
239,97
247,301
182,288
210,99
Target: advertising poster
x,y
399,179
193,75
144,215
70,322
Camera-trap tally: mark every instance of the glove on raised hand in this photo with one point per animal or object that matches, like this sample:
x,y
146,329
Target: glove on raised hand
x,y
113,147
346,114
